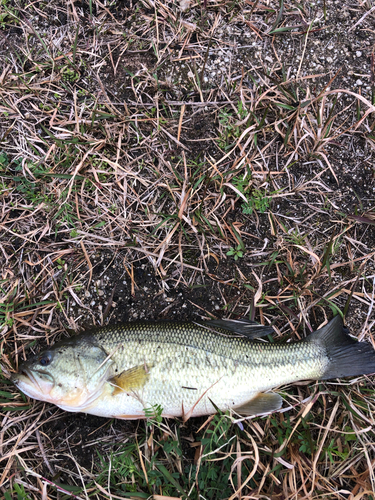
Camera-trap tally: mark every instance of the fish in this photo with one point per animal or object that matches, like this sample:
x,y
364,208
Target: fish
x,y
186,369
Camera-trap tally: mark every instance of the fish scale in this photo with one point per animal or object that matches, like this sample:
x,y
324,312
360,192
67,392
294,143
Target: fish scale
x,y
186,368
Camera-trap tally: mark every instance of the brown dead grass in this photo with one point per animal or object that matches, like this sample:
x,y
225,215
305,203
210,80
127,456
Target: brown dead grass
x,y
115,142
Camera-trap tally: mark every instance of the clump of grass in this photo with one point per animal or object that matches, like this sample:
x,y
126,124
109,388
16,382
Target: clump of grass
x,y
236,253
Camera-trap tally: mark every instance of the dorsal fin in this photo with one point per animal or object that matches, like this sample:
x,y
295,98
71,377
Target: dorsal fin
x,y
249,329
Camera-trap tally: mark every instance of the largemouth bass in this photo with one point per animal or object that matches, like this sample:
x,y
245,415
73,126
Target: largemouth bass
x,y
186,368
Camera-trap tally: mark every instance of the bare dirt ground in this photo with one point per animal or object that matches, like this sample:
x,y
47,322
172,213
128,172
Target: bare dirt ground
x,y
178,161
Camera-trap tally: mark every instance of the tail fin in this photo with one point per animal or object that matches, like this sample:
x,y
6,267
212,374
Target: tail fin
x,y
347,357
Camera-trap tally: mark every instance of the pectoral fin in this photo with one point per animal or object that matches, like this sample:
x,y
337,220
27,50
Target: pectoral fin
x,y
130,380
262,403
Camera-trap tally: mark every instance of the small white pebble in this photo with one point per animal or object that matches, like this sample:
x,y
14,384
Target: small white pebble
x,y
358,53
184,5
359,82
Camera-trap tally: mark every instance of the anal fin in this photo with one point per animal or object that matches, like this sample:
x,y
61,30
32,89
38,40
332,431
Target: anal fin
x,y
264,402
130,380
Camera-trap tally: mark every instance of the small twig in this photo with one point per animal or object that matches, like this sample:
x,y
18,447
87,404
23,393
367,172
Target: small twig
x,y
362,18
41,447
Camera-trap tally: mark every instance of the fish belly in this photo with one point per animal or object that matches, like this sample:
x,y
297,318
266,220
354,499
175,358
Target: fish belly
x,y
183,394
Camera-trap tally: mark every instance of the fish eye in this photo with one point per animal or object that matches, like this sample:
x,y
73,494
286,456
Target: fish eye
x,y
46,359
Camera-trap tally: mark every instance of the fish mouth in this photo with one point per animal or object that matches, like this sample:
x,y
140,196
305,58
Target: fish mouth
x,y
34,384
